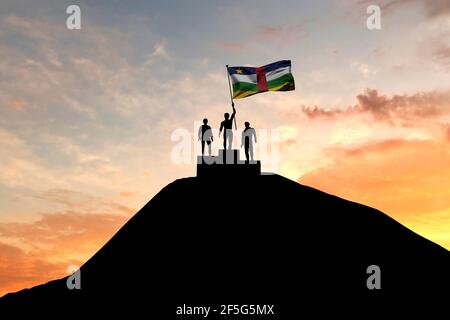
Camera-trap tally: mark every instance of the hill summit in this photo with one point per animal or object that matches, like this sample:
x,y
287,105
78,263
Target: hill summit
x,y
255,239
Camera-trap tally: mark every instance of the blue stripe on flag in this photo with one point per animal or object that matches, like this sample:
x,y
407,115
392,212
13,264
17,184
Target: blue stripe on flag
x,y
252,70
277,65
242,70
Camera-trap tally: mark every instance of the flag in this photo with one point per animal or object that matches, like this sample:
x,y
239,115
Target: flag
x,y
248,81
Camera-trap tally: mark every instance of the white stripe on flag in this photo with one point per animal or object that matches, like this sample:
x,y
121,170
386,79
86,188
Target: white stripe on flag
x,y
251,78
274,74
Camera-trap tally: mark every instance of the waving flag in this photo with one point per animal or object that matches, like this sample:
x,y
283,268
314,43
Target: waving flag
x,y
248,81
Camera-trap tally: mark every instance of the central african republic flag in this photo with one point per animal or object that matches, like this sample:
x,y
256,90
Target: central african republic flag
x,y
248,81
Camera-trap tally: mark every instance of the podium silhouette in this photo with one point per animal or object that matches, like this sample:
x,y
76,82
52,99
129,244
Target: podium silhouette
x,y
227,163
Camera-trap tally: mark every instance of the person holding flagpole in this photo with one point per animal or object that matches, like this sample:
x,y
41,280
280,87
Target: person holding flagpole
x,y
227,124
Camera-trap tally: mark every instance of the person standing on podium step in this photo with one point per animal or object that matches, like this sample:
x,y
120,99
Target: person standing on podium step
x,y
247,140
205,135
227,124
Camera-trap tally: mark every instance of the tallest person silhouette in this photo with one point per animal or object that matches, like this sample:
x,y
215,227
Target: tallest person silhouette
x,y
227,124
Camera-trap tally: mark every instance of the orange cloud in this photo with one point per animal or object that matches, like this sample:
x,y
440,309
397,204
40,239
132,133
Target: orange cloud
x,y
281,33
82,202
270,32
17,104
233,45
19,270
67,230
403,110
408,180
287,143
36,252
127,194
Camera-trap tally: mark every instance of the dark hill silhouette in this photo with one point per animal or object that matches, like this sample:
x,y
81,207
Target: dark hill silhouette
x,y
261,240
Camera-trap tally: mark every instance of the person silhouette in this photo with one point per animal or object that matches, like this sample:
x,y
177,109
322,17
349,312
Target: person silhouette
x,y
247,140
205,135
227,124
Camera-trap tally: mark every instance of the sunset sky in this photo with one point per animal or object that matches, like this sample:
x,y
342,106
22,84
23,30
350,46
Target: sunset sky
x,y
87,116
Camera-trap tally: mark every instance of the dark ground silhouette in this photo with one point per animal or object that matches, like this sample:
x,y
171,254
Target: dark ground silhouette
x,y
265,240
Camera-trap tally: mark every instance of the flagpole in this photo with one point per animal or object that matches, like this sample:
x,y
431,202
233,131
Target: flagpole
x,y
231,95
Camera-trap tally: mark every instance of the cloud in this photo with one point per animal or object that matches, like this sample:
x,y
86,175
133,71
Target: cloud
x,y
127,194
403,110
388,174
159,51
19,165
407,179
232,46
79,155
17,104
287,137
447,131
318,112
388,6
66,231
441,53
22,166
94,120
432,9
404,107
350,133
31,28
19,270
365,69
437,8
370,148
35,252
431,34
281,33
270,32
83,202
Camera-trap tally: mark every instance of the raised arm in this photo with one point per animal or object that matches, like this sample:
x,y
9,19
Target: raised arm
x,y
234,112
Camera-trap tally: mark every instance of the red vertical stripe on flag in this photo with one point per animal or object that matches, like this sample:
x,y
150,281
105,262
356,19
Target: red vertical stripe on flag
x,y
261,79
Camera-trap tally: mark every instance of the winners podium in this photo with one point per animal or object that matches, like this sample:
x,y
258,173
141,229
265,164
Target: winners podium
x,y
227,163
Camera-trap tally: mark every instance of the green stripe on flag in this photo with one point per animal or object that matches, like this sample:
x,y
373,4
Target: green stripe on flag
x,y
245,89
245,86
243,94
285,79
